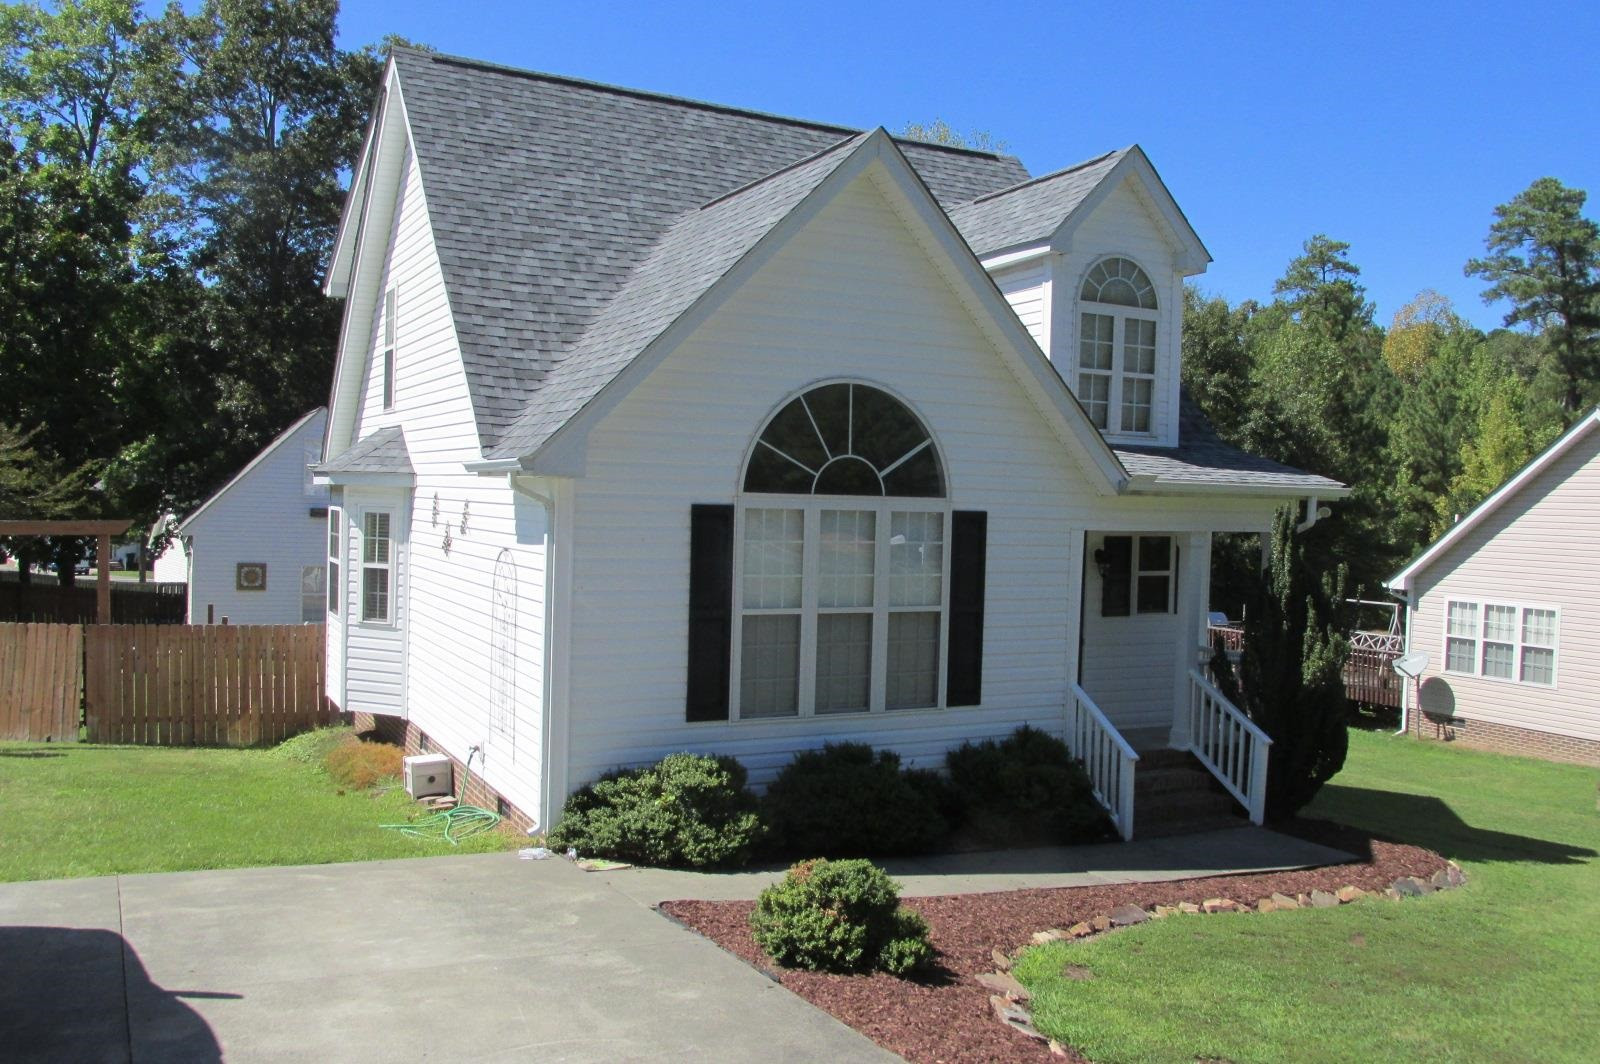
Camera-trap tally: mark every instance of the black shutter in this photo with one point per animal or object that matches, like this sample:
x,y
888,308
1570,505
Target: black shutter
x,y
710,611
969,546
1115,559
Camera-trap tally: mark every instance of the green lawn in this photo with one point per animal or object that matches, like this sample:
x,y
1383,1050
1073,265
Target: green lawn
x,y
71,809
1505,969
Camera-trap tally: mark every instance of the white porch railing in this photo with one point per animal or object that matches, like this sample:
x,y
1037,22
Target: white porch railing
x,y
1106,756
1228,744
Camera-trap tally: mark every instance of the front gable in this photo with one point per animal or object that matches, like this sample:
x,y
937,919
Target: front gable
x,y
949,279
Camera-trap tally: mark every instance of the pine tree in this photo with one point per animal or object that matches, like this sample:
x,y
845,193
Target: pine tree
x,y
1289,679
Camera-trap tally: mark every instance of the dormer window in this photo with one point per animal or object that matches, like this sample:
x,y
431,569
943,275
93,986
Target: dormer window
x,y
1117,346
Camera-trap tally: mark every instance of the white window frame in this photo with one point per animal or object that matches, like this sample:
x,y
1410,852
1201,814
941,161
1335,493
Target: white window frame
x,y
335,542
1118,373
390,301
1517,644
319,597
811,507
364,565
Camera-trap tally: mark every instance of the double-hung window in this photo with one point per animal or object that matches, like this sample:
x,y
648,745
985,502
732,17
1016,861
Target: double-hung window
x,y
377,568
841,597
1501,641
1117,347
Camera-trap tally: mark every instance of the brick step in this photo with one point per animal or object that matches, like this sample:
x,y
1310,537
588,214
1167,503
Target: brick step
x,y
1165,780
1170,804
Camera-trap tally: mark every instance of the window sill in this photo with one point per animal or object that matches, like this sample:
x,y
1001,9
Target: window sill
x,y
1507,681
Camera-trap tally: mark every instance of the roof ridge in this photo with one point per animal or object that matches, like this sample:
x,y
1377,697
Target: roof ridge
x,y
681,101
780,171
1044,177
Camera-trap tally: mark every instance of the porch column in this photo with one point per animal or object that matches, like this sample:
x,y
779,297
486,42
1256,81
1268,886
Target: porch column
x,y
1075,562
1194,602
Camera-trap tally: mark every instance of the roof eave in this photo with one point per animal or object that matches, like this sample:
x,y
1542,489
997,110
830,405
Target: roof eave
x,y
1191,256
1403,580
1149,484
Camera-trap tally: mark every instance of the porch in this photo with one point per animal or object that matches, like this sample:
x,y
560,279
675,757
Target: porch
x,y
1152,730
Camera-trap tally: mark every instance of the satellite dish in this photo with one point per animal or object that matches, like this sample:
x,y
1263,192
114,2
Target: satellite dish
x,y
1411,665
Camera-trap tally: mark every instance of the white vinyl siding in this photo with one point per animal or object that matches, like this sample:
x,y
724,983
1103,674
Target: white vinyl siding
x,y
1535,550
472,673
268,515
852,295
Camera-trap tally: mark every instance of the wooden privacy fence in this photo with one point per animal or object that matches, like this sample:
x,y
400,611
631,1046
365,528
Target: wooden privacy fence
x,y
41,681
203,685
48,602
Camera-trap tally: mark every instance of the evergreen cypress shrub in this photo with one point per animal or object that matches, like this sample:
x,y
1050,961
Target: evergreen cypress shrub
x,y
1290,678
847,800
840,916
686,810
1026,789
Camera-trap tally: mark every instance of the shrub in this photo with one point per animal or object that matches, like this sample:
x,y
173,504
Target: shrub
x,y
840,916
686,810
1025,789
311,747
847,801
359,765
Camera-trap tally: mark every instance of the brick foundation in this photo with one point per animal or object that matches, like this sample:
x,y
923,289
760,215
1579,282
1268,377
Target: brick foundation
x,y
413,740
1504,739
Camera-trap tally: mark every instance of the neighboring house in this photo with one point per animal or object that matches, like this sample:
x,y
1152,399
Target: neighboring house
x,y
1507,607
659,425
254,552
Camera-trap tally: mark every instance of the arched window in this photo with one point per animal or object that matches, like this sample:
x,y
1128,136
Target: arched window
x,y
1117,346
841,572
845,439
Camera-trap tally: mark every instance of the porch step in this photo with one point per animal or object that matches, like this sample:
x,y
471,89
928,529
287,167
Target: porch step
x,y
1175,795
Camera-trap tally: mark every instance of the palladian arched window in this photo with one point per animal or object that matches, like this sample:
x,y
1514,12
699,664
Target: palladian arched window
x,y
1117,346
841,569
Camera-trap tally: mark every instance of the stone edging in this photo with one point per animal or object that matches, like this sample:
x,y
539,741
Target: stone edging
x,y
1009,998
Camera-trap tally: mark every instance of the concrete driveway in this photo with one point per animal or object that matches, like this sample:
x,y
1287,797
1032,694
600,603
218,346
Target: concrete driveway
x,y
483,958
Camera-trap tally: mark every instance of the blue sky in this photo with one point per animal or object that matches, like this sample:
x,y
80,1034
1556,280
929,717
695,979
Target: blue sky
x,y
1394,126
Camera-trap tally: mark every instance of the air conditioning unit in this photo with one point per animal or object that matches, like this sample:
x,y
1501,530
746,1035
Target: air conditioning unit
x,y
427,774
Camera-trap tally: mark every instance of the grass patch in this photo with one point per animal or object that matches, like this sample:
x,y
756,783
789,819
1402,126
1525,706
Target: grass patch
x,y
74,809
1504,969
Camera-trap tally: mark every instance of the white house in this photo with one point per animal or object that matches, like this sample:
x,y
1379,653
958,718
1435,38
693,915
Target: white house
x,y
1506,605
661,425
253,553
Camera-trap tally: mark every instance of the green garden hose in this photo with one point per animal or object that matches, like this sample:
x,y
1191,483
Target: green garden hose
x,y
452,825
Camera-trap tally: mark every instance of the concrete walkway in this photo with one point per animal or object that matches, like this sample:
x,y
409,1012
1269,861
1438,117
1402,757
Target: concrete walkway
x,y
1213,853
480,958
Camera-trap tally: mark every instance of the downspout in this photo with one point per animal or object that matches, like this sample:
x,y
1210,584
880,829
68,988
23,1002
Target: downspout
x,y
545,712
1405,688
1314,513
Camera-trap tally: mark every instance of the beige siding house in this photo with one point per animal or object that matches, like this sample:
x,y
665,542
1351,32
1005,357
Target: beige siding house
x,y
1506,606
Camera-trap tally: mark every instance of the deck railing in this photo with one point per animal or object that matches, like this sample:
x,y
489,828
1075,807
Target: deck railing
x,y
1106,756
1228,744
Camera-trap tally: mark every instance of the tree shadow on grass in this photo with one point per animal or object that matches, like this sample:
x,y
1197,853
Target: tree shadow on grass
x,y
1422,820
82,995
31,753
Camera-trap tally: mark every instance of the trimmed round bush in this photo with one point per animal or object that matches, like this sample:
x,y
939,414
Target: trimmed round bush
x,y
846,800
1025,789
840,916
685,811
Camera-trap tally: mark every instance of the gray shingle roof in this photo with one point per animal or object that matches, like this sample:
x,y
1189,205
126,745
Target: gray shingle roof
x,y
1030,212
686,262
1202,458
544,193
383,451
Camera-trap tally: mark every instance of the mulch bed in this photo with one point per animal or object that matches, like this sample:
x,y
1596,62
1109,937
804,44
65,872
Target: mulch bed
x,y
947,1018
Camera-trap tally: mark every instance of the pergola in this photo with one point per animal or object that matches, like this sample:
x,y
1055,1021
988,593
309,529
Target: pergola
x,y
101,530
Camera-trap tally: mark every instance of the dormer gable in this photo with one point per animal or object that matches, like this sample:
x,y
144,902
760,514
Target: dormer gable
x,y
1093,260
